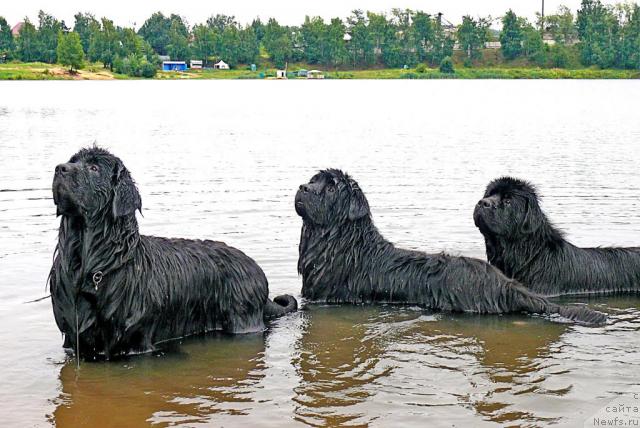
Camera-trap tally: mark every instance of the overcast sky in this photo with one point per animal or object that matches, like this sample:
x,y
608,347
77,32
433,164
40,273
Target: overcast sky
x,y
134,12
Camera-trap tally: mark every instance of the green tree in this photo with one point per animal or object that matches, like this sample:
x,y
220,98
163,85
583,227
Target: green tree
x,y
157,30
203,43
442,45
511,36
559,55
561,26
336,52
258,28
105,44
313,32
86,25
220,22
381,34
7,45
532,44
398,34
277,42
178,47
27,42
630,45
361,45
229,45
446,65
249,46
472,34
69,50
598,30
47,37
423,34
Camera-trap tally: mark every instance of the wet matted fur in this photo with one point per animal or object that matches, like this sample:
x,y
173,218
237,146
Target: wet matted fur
x,y
522,242
121,292
344,259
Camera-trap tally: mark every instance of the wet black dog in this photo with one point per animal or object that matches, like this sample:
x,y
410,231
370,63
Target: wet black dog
x,y
523,243
344,259
116,292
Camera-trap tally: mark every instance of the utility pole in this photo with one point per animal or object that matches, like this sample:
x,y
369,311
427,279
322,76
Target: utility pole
x,y
542,18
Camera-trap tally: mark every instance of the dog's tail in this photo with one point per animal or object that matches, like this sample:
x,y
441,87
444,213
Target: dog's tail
x,y
578,314
280,305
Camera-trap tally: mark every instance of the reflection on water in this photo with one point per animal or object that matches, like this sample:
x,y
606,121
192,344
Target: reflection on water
x,y
204,378
357,363
355,366
229,171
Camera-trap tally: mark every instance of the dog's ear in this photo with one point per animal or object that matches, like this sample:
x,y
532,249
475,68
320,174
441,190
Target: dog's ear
x,y
126,199
533,217
358,205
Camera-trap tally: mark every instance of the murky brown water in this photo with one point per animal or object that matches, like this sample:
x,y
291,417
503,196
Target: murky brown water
x,y
229,170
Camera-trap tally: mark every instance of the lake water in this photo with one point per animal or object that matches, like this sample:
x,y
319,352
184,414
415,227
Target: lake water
x,y
222,160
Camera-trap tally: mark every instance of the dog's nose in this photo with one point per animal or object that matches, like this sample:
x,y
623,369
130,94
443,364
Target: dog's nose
x,y
64,168
304,188
485,203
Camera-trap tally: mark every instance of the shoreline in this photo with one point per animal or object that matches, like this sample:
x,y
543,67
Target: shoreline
x,y
42,71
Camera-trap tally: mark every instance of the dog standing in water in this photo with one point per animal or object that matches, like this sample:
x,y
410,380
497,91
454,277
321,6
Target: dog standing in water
x,y
115,291
526,246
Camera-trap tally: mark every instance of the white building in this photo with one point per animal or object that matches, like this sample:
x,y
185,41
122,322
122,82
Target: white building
x,y
221,65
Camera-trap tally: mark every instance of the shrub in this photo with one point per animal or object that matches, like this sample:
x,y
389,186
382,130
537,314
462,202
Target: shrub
x,y
134,66
421,68
446,65
148,69
559,56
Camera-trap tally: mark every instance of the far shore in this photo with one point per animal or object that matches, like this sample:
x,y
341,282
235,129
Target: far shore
x,y
43,71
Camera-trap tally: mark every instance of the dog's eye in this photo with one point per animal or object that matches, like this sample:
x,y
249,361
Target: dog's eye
x,y
507,201
331,188
93,168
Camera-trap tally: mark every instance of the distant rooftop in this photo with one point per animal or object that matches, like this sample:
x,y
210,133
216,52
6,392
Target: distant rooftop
x,y
16,29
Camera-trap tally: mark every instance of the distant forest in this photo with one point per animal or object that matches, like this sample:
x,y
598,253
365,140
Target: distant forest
x,y
599,35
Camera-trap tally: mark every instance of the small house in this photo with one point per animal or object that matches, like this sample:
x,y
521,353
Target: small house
x,y
302,73
195,64
174,66
315,74
281,74
492,45
221,65
548,39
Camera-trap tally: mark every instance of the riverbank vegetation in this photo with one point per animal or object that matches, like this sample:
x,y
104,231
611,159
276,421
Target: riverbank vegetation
x,y
597,42
95,71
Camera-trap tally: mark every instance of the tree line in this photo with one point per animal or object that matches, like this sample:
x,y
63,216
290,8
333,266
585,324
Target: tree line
x,y
603,35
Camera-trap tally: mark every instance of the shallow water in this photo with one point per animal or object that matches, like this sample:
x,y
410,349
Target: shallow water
x,y
222,160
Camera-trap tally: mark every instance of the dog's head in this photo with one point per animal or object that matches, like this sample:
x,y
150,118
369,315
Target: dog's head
x,y
94,181
331,197
510,208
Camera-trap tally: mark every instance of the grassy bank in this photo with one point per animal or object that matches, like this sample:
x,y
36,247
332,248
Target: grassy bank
x,y
42,71
490,73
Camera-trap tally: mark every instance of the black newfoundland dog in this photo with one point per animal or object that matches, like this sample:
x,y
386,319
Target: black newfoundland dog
x,y
344,259
523,243
115,291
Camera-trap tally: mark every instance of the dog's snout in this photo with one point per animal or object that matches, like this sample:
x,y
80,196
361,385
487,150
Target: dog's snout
x,y
485,203
304,188
64,168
